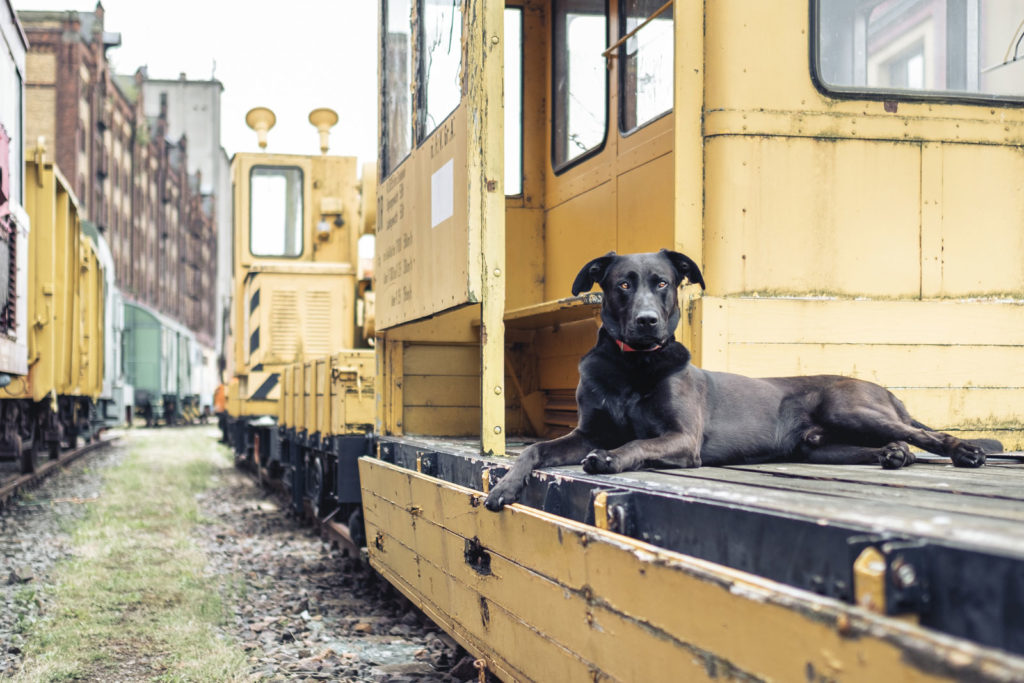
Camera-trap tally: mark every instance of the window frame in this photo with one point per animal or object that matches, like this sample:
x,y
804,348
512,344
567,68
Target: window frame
x,y
302,213
386,169
840,92
560,168
419,114
622,75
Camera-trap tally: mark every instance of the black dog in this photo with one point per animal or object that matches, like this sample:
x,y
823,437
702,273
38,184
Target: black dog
x,y
641,402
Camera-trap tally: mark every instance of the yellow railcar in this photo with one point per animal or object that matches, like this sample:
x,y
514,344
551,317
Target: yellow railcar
x,y
844,174
65,311
296,235
300,401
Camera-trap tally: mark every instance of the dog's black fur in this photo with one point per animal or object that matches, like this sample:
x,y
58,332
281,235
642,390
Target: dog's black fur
x,y
641,402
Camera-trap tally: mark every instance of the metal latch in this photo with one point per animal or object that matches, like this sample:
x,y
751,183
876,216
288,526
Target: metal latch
x,y
890,575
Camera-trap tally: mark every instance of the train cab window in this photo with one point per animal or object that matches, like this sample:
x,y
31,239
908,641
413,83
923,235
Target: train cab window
x,y
275,211
441,59
967,49
580,80
513,101
645,62
397,77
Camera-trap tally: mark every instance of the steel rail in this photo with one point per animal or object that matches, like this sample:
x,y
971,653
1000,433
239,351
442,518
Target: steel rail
x,y
15,484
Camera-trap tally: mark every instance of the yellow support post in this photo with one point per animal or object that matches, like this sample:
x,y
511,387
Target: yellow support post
x,y
487,205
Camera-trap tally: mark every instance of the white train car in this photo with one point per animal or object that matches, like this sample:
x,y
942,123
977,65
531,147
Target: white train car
x,y
14,222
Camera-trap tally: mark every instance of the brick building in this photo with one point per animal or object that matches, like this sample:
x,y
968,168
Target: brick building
x,y
131,180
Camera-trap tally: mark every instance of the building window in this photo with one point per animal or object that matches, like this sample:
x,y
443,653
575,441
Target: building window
x,y
275,211
397,76
580,80
440,62
922,48
645,63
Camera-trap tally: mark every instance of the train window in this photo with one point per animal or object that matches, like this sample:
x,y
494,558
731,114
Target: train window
x,y
927,48
645,62
397,77
441,59
580,80
275,211
513,101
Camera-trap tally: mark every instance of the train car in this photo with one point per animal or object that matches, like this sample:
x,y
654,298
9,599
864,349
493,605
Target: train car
x,y
54,404
116,400
845,176
160,355
298,219
14,226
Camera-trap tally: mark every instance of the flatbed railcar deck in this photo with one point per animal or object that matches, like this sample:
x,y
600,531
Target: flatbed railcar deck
x,y
950,541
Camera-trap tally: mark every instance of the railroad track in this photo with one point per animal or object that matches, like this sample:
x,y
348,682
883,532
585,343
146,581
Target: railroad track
x,y
12,484
329,528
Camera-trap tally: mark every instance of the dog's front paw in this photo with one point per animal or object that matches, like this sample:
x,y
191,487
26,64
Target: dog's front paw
x,y
967,455
896,455
505,492
599,461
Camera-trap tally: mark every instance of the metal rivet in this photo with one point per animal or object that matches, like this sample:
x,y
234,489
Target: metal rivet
x,y
497,429
497,390
497,272
494,40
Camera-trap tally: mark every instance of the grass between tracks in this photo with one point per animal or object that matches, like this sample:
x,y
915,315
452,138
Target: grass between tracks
x,y
134,603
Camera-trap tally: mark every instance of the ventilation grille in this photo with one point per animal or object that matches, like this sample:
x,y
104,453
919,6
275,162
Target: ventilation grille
x,y
284,325
317,332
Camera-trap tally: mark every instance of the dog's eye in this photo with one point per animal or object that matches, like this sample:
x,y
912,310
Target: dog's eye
x,y
662,285
623,285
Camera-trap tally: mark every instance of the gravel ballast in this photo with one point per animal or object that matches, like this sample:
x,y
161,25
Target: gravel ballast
x,y
297,606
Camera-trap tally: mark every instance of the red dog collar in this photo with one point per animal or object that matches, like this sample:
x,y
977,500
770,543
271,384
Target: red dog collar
x,y
623,346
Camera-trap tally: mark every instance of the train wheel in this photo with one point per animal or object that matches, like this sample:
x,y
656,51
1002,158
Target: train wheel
x,y
356,529
26,456
315,486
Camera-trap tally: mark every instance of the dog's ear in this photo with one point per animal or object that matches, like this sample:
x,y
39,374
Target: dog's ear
x,y
685,268
591,273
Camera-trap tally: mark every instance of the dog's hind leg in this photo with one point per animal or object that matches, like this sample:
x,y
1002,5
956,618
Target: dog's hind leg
x,y
874,425
565,450
891,456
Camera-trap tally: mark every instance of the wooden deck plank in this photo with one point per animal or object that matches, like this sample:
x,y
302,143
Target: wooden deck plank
x,y
873,512
982,508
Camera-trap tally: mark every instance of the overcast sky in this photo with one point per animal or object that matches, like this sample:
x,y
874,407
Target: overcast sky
x,y
292,57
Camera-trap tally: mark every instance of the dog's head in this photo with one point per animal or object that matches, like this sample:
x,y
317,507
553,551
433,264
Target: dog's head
x,y
641,306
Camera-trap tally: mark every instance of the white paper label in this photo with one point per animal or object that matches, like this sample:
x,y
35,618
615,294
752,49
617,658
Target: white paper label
x,y
442,194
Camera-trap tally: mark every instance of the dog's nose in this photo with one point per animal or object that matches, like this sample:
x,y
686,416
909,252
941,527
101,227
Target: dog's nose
x,y
646,319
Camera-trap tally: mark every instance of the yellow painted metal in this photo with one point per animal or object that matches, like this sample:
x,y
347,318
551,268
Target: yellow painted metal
x,y
413,240
352,393
90,321
483,78
806,194
292,311
285,417
964,378
330,395
551,599
869,580
308,421
60,323
601,510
